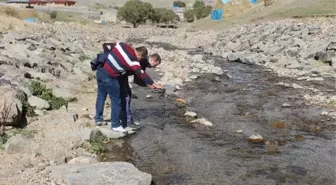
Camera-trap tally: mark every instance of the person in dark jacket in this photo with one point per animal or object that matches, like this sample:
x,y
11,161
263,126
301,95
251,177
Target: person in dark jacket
x,y
112,65
150,61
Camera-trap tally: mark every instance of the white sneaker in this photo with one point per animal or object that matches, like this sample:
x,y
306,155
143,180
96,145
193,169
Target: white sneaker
x,y
120,129
136,122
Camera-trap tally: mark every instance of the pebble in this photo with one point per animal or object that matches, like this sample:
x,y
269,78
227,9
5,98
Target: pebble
x,y
324,113
256,139
202,121
177,87
191,114
85,109
193,77
149,96
285,105
239,131
188,80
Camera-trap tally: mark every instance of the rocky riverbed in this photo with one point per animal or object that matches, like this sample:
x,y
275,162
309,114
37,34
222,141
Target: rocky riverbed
x,y
275,79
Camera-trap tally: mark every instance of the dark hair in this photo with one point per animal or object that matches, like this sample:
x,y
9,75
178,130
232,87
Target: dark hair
x,y
142,50
108,46
156,57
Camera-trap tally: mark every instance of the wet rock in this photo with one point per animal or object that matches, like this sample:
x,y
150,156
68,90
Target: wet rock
x,y
190,114
83,160
116,173
38,103
19,144
202,121
256,139
286,105
239,131
111,134
149,96
193,77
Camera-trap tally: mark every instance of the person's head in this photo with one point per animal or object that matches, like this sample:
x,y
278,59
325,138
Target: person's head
x,y
141,52
154,60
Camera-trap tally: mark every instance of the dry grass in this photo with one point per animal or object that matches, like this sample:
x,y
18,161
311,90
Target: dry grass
x,y
279,10
10,19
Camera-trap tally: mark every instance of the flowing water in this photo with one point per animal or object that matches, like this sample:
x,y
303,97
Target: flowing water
x,y
299,148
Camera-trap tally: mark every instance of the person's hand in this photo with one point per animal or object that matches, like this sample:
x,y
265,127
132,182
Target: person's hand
x,y
155,86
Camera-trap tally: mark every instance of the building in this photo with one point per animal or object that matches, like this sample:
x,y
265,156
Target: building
x,y
180,12
44,2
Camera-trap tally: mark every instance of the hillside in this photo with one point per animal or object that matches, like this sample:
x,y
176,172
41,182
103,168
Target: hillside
x,y
156,3
280,9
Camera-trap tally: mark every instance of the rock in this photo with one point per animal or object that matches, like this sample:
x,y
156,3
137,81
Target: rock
x,y
295,86
193,77
83,160
11,106
202,121
191,114
239,131
19,144
116,173
332,46
324,113
286,105
216,70
38,103
111,134
233,57
256,139
39,112
324,56
169,89
149,96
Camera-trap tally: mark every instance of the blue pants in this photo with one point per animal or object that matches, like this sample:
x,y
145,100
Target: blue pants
x,y
109,86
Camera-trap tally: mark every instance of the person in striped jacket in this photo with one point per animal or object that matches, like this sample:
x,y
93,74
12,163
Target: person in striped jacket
x,y
111,67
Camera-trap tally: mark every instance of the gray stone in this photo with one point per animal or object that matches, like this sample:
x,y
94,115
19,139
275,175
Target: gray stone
x,y
286,105
38,103
149,96
232,57
83,160
193,77
332,46
116,173
19,144
111,134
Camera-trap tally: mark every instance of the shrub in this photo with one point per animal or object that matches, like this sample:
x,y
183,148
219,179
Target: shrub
x,y
198,4
41,91
136,12
53,15
189,15
179,4
162,15
202,12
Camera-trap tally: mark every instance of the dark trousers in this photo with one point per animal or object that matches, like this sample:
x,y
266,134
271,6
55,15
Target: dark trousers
x,y
125,94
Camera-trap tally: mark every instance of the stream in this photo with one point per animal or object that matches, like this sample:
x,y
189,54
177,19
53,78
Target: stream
x,y
300,143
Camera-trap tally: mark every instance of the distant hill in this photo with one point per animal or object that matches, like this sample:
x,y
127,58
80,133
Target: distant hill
x,y
112,3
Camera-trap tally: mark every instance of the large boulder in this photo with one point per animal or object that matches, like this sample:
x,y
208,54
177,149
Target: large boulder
x,y
38,103
19,144
10,106
116,173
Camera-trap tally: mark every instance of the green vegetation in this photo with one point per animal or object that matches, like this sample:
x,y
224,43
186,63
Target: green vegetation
x,y
189,15
53,15
162,15
97,146
137,12
41,91
179,4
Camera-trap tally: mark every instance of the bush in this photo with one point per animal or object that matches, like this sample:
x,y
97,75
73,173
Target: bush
x,y
136,12
41,91
198,4
53,15
162,15
202,12
189,15
179,4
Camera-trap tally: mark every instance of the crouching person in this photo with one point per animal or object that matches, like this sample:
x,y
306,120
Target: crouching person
x,y
111,67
